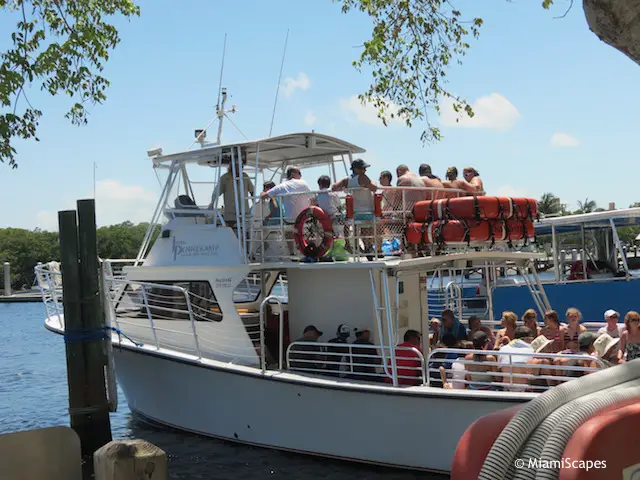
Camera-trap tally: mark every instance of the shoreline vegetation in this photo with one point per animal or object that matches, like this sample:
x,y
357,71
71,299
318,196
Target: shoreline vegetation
x,y
23,249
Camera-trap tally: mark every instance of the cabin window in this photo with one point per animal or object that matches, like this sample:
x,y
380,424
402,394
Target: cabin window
x,y
401,287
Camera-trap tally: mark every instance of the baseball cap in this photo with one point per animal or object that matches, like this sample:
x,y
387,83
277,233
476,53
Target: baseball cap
x,y
610,313
312,328
586,338
359,163
360,329
343,330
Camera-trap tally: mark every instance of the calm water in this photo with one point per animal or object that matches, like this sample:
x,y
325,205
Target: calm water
x,y
33,394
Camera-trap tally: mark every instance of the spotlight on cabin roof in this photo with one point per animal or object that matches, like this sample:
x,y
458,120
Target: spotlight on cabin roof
x,y
154,152
200,135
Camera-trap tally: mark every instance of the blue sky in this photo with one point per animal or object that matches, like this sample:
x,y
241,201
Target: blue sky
x,y
555,106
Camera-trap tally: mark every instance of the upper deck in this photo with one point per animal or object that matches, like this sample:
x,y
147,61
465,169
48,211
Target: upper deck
x,y
204,191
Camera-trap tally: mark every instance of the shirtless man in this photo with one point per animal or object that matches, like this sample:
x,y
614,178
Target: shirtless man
x,y
430,181
410,179
453,182
472,176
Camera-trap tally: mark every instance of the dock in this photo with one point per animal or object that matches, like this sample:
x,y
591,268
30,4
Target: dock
x,y
26,297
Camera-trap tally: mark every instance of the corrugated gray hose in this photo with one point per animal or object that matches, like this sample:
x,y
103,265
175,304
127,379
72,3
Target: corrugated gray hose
x,y
549,440
512,440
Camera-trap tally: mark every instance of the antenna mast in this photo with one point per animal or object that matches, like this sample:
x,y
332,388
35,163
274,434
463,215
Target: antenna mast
x,y
275,103
221,92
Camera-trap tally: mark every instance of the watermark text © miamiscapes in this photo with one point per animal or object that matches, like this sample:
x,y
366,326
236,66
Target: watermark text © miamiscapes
x,y
538,463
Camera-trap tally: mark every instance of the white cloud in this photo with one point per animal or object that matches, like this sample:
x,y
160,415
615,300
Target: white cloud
x,y
509,191
563,140
115,203
367,113
492,111
310,118
291,84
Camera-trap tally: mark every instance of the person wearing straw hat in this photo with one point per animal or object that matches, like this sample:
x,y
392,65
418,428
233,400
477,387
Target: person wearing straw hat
x,y
540,344
606,348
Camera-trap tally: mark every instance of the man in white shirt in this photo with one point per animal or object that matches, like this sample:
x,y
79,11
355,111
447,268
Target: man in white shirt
x,y
612,329
293,198
519,345
292,192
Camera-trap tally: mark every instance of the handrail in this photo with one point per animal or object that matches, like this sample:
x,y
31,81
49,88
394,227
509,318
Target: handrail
x,y
263,361
511,375
322,353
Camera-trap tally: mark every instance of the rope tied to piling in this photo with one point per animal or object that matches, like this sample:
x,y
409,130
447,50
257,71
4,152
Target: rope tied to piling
x,y
83,335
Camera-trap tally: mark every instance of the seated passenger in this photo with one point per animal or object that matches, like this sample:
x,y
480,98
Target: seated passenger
x,y
478,375
335,354
612,329
273,213
573,329
452,181
536,365
434,332
430,181
452,325
442,359
409,179
475,325
458,370
530,319
311,361
472,176
553,331
607,348
512,380
326,199
506,334
585,347
391,199
408,363
364,359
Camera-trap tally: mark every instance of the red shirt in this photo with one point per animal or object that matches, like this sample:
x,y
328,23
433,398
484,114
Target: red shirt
x,y
407,365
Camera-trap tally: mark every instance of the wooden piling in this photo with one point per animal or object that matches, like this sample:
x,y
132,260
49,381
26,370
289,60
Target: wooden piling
x,y
84,332
130,460
93,320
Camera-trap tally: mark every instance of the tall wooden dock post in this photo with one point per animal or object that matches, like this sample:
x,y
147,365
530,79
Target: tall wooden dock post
x,y
84,331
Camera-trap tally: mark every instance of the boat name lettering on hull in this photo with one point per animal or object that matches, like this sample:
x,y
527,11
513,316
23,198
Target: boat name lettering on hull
x,y
180,248
223,282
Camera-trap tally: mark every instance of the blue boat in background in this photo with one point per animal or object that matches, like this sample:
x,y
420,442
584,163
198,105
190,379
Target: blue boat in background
x,y
589,267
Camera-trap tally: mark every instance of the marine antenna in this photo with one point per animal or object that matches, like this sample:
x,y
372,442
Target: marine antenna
x,y
275,103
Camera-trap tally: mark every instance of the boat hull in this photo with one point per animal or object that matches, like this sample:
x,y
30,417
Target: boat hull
x,y
415,428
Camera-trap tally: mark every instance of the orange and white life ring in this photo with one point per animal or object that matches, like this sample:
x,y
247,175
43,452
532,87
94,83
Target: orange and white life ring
x,y
304,242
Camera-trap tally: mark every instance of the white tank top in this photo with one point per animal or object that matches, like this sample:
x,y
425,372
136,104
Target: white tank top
x,y
362,199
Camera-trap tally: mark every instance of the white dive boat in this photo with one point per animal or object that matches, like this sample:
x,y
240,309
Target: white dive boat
x,y
207,321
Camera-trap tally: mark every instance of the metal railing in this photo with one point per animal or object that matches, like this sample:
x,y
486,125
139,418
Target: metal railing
x,y
49,279
504,377
357,362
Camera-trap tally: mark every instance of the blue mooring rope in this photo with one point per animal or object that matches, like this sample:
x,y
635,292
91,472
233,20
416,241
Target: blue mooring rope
x,y
78,335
